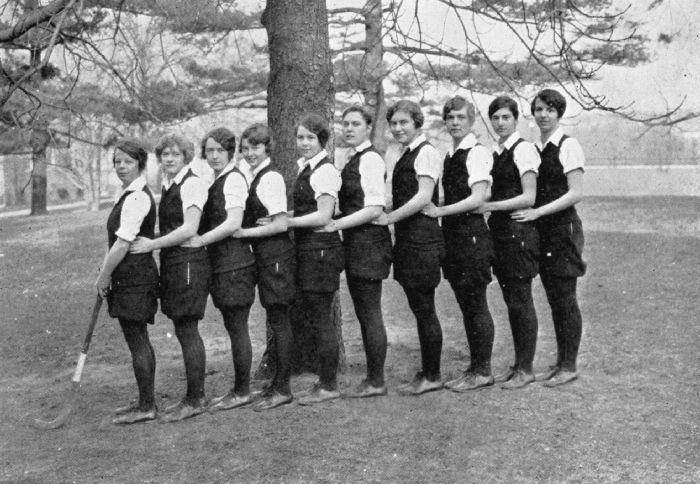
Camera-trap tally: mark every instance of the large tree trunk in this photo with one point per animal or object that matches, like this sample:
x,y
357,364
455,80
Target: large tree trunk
x,y
373,72
301,81
39,142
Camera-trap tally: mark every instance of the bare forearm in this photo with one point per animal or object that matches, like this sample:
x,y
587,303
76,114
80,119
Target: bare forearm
x,y
278,225
114,256
361,217
413,206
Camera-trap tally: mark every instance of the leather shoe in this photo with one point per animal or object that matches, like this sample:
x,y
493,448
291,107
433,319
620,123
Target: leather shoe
x,y
274,400
470,382
229,401
419,386
183,410
547,374
505,376
561,378
318,394
520,379
130,407
365,390
135,416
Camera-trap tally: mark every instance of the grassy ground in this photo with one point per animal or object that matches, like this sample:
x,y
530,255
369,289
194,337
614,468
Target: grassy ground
x,y
632,416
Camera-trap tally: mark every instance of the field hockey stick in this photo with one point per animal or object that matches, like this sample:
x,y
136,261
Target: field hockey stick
x,y
75,381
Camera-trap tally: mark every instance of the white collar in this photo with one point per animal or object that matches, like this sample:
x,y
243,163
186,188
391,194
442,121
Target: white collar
x,y
362,146
253,172
554,138
312,162
416,142
508,144
468,142
167,182
231,165
134,186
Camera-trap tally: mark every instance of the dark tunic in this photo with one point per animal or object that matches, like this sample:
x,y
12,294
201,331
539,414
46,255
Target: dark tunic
x,y
468,246
319,254
134,291
561,233
232,261
419,248
368,246
275,259
184,271
515,243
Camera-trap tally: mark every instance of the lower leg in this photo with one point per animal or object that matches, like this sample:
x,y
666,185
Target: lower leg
x,y
566,315
523,320
236,324
319,312
278,318
367,299
478,325
194,356
422,304
143,360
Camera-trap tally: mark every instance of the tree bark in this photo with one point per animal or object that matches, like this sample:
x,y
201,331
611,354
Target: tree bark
x,y
373,72
301,81
39,142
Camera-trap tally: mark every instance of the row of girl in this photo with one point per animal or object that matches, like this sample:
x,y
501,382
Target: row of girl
x,y
223,239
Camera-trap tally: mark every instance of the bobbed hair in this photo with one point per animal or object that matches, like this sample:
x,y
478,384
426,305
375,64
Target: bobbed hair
x,y
176,140
134,149
409,107
504,102
224,137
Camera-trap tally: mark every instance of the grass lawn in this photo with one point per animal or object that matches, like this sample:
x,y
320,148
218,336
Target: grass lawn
x,y
632,416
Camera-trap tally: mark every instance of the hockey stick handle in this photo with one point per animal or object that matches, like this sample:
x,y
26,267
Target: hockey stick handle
x,y
88,338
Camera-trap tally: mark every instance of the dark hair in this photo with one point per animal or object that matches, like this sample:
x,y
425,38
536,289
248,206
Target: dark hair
x,y
258,134
224,137
504,102
457,103
364,112
409,107
134,149
317,125
551,98
183,144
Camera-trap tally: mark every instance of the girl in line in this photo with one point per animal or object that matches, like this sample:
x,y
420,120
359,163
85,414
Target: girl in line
x,y
275,259
130,281
516,244
184,269
367,246
232,262
469,250
559,189
319,254
419,247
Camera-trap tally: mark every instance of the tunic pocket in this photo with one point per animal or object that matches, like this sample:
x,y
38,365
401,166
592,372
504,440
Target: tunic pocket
x,y
318,269
516,252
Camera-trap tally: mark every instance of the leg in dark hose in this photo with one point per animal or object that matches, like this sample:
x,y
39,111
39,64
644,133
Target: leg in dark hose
x,y
143,360
236,323
367,299
194,356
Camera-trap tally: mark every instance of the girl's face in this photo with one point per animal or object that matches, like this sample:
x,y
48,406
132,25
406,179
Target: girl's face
x,y
355,129
217,156
172,160
254,154
403,127
504,123
127,168
308,143
546,116
458,123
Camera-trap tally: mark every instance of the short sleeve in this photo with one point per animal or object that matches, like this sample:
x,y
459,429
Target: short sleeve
x,y
428,163
325,180
235,191
372,172
272,193
194,191
479,165
526,158
134,209
571,155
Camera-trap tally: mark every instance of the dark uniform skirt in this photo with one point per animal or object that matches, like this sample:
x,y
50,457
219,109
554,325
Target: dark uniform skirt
x,y
418,252
233,288
134,291
184,282
561,248
516,246
320,261
368,253
469,255
276,279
